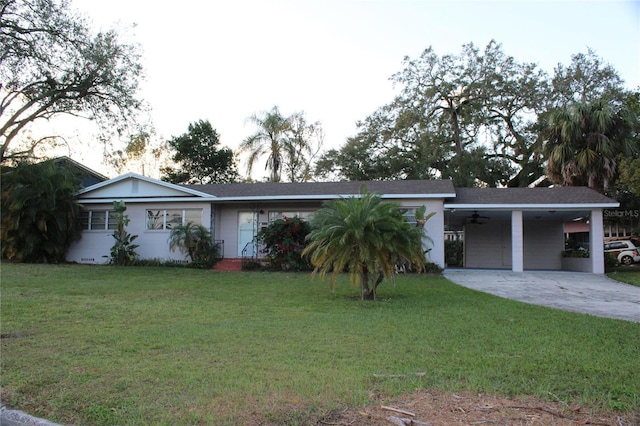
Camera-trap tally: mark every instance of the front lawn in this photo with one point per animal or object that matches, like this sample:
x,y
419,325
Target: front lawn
x,y
626,274
141,345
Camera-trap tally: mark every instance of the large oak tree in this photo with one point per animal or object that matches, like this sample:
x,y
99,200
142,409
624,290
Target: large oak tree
x,y
476,117
52,64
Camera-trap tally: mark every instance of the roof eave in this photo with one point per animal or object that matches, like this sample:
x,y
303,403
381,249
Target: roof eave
x,y
131,175
146,200
505,206
327,197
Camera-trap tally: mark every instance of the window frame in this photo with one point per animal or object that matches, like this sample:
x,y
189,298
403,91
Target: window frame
x,y
274,215
88,223
167,217
410,214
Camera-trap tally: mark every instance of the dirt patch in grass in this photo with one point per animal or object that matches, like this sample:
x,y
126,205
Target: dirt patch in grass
x,y
436,408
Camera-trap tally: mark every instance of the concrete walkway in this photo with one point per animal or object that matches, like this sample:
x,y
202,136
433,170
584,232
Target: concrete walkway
x,y
571,291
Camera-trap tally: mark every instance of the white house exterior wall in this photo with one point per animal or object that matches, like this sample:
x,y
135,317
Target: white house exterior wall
x,y
226,223
153,244
433,228
136,188
517,241
596,237
227,226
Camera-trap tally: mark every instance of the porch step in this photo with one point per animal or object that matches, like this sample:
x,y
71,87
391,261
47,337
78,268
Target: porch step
x,y
228,265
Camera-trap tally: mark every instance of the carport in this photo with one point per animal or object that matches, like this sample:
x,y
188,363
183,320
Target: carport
x,y
522,229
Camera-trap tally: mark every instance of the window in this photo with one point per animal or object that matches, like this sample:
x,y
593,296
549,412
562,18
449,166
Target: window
x,y
410,214
281,215
167,219
98,220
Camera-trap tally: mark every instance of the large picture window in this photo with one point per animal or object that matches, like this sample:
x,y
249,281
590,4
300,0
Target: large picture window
x,y
98,220
167,219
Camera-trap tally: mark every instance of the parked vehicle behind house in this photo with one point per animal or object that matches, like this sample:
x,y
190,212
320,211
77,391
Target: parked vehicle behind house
x,y
625,251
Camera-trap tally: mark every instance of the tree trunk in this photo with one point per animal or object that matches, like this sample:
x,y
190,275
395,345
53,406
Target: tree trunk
x,y
376,284
455,124
365,292
369,292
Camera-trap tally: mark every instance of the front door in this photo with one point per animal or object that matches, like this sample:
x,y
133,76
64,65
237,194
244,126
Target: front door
x,y
247,229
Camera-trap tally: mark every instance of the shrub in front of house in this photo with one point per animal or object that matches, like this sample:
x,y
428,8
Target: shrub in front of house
x,y
284,240
610,262
197,243
453,252
576,253
123,252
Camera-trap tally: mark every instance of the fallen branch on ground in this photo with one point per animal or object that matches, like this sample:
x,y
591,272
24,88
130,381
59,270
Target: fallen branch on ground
x,y
405,421
398,410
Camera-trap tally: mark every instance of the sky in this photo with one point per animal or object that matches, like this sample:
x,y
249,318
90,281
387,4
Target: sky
x,y
223,61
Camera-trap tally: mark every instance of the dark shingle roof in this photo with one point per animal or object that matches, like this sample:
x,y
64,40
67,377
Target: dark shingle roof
x,y
324,190
515,196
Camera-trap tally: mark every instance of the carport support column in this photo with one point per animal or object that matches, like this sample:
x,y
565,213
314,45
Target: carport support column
x,y
517,246
596,241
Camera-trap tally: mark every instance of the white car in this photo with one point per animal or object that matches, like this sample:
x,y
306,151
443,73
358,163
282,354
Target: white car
x,y
626,252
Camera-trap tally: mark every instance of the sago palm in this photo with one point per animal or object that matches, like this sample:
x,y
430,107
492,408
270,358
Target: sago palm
x,y
195,241
364,236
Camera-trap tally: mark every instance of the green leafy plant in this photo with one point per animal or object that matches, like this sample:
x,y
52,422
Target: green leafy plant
x,y
123,251
576,253
366,237
196,241
610,261
39,212
284,241
432,268
422,216
453,252
251,265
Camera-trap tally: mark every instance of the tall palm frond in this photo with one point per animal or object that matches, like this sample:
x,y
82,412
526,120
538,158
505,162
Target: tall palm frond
x,y
583,142
268,139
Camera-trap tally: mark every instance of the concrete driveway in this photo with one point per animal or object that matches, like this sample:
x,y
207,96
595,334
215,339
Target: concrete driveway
x,y
571,291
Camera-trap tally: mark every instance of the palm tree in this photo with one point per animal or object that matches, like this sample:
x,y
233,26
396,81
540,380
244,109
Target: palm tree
x,y
365,236
582,143
269,139
194,240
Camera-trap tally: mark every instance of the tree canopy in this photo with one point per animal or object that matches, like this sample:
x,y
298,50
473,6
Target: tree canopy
x,y
477,117
51,64
40,213
583,144
199,158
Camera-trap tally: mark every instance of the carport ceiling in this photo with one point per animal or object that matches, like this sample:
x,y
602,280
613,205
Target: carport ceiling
x,y
462,216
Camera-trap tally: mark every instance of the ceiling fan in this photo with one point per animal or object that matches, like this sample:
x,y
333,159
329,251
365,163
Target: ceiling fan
x,y
476,219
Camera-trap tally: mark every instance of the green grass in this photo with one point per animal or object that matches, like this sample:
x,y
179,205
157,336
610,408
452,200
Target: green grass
x,y
627,274
107,345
